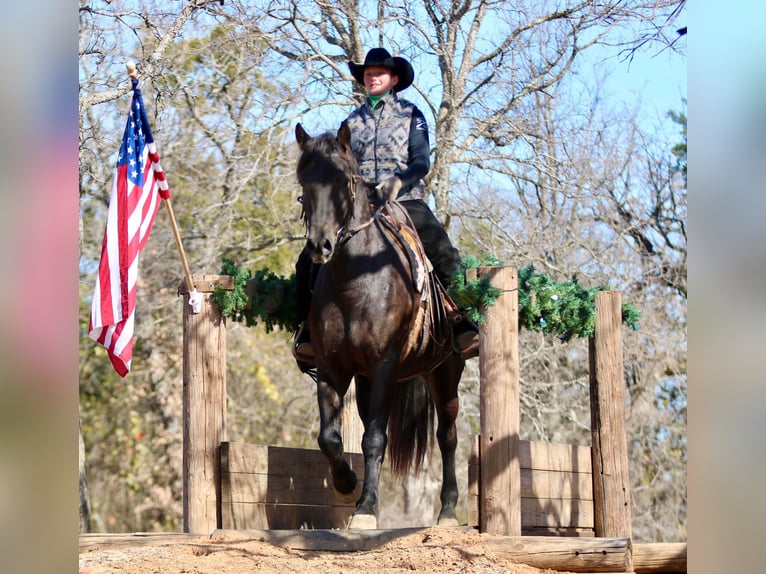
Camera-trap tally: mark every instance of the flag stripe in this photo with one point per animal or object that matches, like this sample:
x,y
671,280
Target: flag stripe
x,y
138,185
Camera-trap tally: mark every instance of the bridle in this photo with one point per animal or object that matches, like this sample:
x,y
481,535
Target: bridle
x,y
346,232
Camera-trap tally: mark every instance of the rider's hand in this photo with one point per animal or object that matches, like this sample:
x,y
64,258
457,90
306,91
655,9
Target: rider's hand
x,y
389,188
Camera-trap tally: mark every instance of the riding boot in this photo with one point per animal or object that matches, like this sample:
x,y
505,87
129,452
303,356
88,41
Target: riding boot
x,y
302,349
466,337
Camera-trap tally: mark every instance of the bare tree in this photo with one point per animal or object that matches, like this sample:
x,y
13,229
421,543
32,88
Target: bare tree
x,y
216,119
479,64
528,165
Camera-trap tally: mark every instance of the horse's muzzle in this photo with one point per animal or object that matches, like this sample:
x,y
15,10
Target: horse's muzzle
x,y
322,250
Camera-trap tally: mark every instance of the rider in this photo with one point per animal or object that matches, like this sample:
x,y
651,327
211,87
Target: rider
x,y
389,138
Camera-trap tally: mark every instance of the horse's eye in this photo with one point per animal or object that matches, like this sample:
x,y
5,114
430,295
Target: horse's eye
x,y
300,199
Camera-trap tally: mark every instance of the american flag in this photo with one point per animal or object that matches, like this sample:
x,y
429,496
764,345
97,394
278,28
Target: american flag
x,y
138,184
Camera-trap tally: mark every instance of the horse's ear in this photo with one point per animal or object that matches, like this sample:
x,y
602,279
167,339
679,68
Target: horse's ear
x,y
301,136
344,135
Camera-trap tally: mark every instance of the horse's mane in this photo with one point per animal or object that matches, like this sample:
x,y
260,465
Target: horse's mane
x,y
321,158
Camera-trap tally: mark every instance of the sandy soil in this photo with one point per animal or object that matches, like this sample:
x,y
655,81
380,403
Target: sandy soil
x,y
437,550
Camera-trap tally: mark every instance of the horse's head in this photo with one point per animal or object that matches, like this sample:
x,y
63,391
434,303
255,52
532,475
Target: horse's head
x,y
327,173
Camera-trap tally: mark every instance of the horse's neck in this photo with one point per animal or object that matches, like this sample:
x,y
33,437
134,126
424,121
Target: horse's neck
x,y
362,210
365,236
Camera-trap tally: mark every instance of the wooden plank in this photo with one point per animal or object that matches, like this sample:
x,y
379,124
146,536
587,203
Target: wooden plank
x,y
550,499
249,516
546,484
559,457
276,489
92,541
557,531
265,459
500,415
257,459
204,411
656,558
556,513
611,483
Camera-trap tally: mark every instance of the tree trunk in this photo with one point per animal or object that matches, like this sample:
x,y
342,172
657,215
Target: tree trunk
x,y
84,498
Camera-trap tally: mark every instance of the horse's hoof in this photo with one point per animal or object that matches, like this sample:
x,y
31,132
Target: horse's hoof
x,y
363,522
447,522
347,498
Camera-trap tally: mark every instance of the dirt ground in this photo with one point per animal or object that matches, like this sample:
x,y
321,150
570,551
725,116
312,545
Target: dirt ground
x,y
434,550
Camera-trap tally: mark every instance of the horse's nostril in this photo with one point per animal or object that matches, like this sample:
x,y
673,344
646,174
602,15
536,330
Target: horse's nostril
x,y
327,247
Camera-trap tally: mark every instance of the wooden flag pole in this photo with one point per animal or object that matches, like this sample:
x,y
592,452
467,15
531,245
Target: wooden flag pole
x,y
133,74
184,262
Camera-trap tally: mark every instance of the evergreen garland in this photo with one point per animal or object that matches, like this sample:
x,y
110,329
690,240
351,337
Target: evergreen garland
x,y
563,309
272,301
478,294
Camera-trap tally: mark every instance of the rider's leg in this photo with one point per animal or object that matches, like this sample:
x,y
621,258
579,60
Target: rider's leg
x,y
302,348
446,260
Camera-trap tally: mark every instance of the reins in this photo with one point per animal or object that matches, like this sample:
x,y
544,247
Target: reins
x,y
346,233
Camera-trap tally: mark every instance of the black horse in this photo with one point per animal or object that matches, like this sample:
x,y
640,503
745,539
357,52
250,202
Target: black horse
x,y
370,321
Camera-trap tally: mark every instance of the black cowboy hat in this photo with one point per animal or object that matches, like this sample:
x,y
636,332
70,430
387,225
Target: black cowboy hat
x,y
380,57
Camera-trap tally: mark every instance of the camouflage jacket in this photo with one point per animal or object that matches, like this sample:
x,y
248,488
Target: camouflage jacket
x,y
391,140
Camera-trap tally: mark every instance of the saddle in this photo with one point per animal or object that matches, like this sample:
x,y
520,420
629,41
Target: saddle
x,y
435,309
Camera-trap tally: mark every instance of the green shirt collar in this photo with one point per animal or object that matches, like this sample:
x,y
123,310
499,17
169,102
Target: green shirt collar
x,y
375,99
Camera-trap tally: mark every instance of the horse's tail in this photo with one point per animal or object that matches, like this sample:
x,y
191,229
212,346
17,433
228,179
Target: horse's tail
x,y
410,425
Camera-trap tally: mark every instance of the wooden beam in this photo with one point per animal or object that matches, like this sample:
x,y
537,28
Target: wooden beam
x,y
499,391
567,554
204,407
611,482
659,557
98,540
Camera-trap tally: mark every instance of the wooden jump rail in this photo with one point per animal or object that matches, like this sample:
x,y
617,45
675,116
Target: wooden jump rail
x,y
500,486
499,460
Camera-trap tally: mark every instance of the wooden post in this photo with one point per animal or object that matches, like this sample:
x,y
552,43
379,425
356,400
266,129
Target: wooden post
x,y
500,475
611,483
204,407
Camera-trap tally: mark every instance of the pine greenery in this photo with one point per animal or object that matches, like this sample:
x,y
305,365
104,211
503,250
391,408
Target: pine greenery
x,y
565,309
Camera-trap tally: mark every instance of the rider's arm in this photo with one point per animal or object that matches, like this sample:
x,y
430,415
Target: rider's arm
x,y
418,150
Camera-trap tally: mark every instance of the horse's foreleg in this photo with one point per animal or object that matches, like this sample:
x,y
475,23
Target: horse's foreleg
x,y
374,409
330,440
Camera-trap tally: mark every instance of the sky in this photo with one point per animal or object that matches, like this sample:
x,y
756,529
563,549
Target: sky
x,y
655,78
